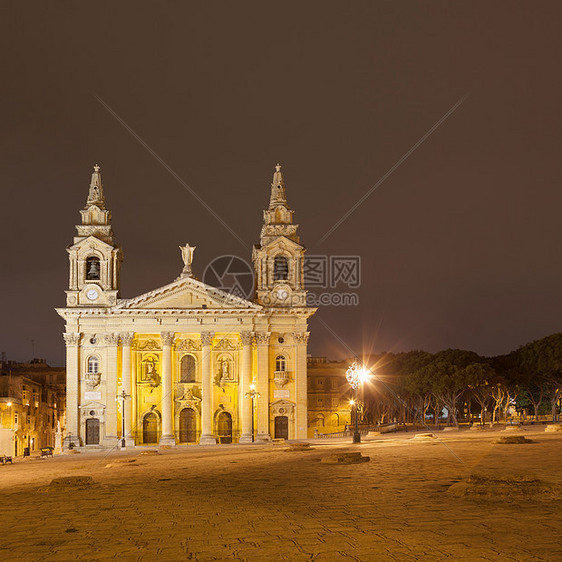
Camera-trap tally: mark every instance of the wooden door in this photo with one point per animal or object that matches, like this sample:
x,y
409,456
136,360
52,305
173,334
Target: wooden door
x,y
224,427
281,427
150,428
188,426
92,431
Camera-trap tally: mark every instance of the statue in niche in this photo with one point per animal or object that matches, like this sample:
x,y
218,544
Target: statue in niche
x,y
224,372
150,373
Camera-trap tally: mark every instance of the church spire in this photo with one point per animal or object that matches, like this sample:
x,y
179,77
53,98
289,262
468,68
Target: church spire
x,y
96,219
95,195
278,217
277,189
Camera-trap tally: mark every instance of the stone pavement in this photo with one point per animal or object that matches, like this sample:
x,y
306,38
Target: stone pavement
x,y
258,502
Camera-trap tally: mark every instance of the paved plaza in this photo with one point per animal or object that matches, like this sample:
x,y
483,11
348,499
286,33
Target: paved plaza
x,y
260,502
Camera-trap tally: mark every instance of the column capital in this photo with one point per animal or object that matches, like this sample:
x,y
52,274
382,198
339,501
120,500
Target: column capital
x,y
302,338
127,338
111,339
207,338
247,338
167,338
262,338
72,338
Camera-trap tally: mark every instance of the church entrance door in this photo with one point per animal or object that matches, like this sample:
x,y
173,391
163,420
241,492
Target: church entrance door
x,y
224,427
92,431
150,428
281,427
188,426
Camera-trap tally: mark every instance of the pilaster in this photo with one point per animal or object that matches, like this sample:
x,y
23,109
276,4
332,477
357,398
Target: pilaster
x,y
207,436
72,436
262,341
301,341
167,437
126,385
245,381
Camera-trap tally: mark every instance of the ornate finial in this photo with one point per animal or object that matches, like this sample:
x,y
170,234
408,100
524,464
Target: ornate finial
x,y
95,196
278,167
187,257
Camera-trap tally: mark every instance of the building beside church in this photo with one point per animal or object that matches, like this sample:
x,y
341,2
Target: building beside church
x,y
31,406
178,364
329,393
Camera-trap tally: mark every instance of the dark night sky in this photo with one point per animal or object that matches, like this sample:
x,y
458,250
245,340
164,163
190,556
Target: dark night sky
x,y
459,246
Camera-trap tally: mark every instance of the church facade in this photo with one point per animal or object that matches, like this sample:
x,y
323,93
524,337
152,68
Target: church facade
x,y
187,362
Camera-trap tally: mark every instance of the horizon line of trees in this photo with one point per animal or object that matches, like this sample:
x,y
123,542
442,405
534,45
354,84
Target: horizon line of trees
x,y
412,386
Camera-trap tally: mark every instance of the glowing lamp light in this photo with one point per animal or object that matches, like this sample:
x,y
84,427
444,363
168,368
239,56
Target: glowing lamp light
x,y
356,375
8,404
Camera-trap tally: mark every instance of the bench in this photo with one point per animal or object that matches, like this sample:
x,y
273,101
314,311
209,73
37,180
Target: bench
x,y
46,451
5,459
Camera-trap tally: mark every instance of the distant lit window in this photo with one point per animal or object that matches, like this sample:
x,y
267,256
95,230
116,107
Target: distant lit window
x,y
280,363
93,365
188,368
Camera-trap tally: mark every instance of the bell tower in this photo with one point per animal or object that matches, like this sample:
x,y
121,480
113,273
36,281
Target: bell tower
x,y
279,258
94,258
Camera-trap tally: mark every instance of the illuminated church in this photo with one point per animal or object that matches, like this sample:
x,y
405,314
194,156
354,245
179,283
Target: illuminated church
x,y
187,362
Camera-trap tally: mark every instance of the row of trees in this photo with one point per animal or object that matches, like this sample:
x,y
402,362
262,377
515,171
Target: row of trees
x,y
412,386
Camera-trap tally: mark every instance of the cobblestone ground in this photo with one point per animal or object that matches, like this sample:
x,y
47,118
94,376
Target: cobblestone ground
x,y
262,503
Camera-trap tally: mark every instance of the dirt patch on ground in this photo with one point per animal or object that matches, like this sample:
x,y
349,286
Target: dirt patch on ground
x,y
504,486
514,440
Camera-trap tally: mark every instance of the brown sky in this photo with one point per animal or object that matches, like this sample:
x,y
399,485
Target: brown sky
x,y
459,246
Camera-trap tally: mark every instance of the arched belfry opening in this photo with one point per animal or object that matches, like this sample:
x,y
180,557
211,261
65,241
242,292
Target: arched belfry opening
x,y
280,268
93,269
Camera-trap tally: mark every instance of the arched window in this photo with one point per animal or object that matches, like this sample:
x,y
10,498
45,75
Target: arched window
x,y
92,269
93,365
280,269
280,363
187,368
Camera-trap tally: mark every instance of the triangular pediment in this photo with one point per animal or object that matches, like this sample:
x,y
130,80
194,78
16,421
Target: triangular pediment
x,y
187,293
92,243
282,243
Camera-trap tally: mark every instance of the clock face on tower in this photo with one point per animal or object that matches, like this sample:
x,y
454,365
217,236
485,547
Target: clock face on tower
x,y
92,294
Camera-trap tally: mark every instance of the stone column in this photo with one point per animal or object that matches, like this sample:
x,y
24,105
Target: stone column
x,y
245,407
301,425
72,434
262,341
126,386
110,437
167,437
207,436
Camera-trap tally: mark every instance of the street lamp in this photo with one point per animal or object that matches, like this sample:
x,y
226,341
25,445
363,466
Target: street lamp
x,y
124,396
356,375
253,394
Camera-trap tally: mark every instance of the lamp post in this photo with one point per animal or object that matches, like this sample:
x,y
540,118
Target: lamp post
x,y
124,396
253,394
356,375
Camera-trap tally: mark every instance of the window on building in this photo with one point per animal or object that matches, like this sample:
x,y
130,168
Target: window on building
x,y
25,395
188,368
93,365
280,269
16,419
280,363
92,269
